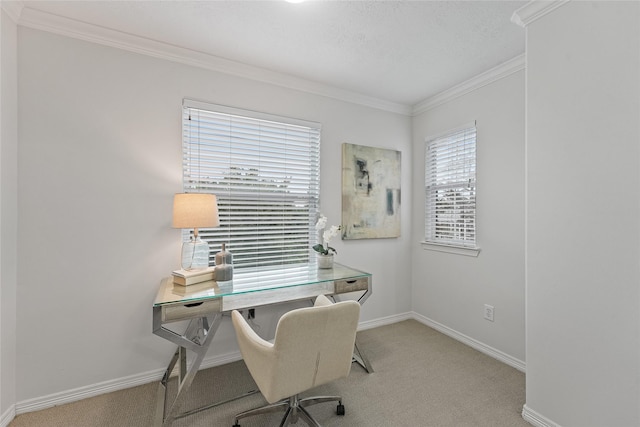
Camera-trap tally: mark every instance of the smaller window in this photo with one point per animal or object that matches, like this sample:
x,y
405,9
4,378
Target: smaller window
x,y
450,189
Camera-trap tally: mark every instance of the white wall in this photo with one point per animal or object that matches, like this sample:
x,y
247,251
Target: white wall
x,y
99,160
583,225
451,289
8,213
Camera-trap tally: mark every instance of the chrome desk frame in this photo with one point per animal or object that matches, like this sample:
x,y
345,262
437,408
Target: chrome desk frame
x,y
203,305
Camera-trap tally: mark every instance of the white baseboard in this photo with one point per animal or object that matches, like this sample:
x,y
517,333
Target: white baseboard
x,y
383,321
8,416
534,418
223,359
488,350
155,375
92,390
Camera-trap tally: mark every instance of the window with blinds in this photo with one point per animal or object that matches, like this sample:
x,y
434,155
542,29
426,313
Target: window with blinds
x,y
450,186
264,171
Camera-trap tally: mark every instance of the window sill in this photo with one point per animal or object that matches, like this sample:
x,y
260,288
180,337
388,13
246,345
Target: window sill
x,y
458,250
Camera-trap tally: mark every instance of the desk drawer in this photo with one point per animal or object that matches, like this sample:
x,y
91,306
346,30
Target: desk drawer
x,y
351,285
172,313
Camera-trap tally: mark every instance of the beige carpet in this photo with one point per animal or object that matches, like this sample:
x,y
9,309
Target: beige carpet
x,y
422,378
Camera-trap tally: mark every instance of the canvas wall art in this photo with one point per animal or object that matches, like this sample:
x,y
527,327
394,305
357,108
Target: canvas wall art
x,y
370,192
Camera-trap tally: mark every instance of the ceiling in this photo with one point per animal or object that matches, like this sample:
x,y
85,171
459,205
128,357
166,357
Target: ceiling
x,y
397,51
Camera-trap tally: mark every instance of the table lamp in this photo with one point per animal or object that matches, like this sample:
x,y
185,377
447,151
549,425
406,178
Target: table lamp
x,y
195,210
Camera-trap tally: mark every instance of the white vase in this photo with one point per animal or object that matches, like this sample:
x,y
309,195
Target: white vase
x,y
325,261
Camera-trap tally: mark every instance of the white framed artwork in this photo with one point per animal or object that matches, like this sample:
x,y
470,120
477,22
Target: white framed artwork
x,y
370,192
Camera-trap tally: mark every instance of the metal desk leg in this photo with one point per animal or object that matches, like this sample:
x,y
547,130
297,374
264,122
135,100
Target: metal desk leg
x,y
358,355
192,341
360,358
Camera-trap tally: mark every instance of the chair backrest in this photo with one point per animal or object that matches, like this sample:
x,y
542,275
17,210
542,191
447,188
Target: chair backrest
x,y
312,346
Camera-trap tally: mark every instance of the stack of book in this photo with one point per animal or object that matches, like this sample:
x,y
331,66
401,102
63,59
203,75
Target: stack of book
x,y
191,277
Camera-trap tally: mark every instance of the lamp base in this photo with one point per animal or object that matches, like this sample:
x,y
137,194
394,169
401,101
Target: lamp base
x,y
195,254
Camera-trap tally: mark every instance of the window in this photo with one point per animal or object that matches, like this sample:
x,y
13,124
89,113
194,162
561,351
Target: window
x,y
264,171
450,186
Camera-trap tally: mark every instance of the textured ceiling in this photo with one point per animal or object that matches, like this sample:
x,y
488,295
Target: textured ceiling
x,y
398,51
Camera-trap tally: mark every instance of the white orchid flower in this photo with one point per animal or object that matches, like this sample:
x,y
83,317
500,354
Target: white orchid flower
x,y
330,234
323,247
322,222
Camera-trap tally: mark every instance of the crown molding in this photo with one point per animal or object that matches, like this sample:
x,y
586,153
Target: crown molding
x,y
501,71
535,10
43,21
13,9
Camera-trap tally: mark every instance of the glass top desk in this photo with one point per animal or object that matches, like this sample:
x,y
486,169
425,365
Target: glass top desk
x,y
204,304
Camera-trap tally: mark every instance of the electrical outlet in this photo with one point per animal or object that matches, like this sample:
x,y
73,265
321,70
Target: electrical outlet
x,y
488,312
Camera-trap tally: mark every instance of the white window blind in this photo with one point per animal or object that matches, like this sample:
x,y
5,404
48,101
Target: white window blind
x,y
450,185
264,171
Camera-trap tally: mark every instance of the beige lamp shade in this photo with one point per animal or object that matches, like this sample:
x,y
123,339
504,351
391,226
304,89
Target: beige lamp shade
x,y
194,210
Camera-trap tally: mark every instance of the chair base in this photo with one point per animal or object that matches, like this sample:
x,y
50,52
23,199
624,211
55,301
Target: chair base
x,y
293,409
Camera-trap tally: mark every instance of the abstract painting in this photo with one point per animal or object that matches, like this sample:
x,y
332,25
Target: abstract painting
x,y
370,192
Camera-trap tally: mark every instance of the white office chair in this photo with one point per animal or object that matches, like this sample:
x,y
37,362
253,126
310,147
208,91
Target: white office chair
x,y
312,346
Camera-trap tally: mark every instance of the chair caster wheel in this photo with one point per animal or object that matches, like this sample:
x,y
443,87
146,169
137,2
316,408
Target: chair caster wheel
x,y
340,409
236,425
